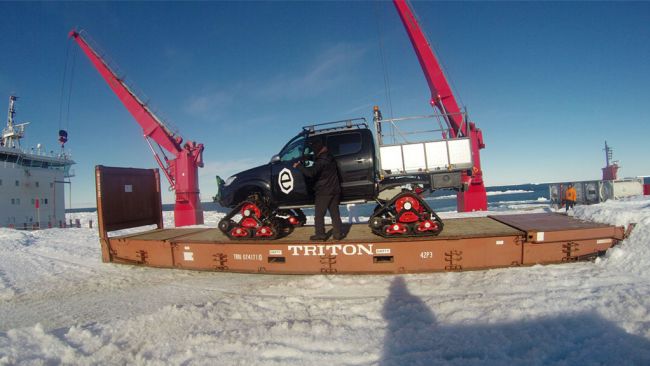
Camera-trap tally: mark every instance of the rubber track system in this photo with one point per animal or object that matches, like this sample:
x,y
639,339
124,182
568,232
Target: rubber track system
x,y
257,221
295,216
405,215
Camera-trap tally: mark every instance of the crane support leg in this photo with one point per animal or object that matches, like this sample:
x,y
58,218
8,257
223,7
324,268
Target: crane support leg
x,y
473,199
187,210
185,168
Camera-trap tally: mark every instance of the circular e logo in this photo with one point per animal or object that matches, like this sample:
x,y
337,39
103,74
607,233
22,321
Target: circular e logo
x,y
285,181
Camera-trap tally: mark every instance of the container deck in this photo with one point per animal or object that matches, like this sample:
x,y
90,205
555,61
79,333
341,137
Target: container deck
x,y
125,200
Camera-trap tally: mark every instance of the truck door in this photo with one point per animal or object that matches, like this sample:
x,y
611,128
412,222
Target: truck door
x,y
354,157
288,185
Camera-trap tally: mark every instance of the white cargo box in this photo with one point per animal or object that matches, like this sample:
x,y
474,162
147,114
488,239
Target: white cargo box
x,y
589,192
626,188
443,155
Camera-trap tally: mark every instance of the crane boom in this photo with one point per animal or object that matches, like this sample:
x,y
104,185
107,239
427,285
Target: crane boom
x,y
182,169
441,94
150,124
474,198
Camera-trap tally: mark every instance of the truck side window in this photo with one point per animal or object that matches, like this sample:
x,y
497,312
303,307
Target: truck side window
x,y
344,144
293,150
308,154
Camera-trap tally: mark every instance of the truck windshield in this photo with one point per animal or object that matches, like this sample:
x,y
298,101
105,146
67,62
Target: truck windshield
x,y
293,150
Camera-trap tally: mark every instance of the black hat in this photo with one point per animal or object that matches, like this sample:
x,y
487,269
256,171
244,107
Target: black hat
x,y
316,144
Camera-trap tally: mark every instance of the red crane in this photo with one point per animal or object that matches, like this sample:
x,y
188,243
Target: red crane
x,y
182,169
474,197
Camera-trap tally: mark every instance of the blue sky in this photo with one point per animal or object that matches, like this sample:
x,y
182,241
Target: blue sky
x,y
547,82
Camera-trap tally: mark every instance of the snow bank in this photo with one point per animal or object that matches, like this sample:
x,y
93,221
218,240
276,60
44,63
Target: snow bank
x,y
60,305
634,253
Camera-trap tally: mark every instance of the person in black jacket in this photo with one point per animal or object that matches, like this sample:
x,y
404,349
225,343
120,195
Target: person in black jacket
x,y
327,190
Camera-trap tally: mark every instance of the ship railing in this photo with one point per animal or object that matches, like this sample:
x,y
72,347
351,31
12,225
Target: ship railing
x,y
64,154
405,130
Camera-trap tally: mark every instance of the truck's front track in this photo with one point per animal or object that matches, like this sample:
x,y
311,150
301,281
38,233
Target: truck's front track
x,y
254,219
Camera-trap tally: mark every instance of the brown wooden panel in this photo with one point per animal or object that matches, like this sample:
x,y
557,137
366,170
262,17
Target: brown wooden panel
x,y
168,234
552,227
564,251
470,227
546,222
454,229
127,197
140,252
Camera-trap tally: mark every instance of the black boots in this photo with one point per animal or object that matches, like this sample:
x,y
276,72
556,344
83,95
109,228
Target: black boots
x,y
321,237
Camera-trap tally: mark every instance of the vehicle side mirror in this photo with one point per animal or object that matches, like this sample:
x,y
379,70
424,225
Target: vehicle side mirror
x,y
275,158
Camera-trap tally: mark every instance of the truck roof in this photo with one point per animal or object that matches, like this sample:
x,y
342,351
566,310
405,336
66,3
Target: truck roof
x,y
327,127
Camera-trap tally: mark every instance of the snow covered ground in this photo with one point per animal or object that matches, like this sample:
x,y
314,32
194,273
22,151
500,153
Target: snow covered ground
x,y
59,304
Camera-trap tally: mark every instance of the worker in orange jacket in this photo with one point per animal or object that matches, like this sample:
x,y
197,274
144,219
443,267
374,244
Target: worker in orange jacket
x,y
570,197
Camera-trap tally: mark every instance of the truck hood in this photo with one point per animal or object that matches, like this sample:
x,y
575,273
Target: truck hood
x,y
226,193
249,173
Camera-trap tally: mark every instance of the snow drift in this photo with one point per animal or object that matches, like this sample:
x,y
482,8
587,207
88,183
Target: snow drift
x,y
60,304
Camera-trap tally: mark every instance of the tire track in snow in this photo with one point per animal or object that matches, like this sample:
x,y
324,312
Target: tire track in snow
x,y
71,285
7,291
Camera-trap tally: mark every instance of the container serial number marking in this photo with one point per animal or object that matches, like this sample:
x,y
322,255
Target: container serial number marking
x,y
247,257
426,255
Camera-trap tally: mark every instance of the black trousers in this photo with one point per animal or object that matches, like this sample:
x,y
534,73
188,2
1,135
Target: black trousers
x,y
324,203
570,204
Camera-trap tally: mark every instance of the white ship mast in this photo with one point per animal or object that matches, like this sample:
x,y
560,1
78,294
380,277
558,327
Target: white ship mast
x,y
12,134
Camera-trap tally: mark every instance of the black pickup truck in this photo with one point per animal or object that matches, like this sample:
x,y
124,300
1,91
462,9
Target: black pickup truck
x,y
266,200
353,148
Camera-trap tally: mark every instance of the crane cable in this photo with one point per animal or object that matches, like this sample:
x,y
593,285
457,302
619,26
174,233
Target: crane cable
x,y
68,77
74,62
384,62
65,73
61,105
440,61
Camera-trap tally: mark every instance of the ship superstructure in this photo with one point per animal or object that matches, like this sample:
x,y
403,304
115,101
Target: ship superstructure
x,y
32,182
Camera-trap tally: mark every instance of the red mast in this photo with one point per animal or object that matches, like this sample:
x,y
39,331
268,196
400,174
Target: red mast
x,y
442,98
610,171
182,169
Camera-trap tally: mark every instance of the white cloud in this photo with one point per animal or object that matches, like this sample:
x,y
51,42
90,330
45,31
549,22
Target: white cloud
x,y
330,68
209,103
